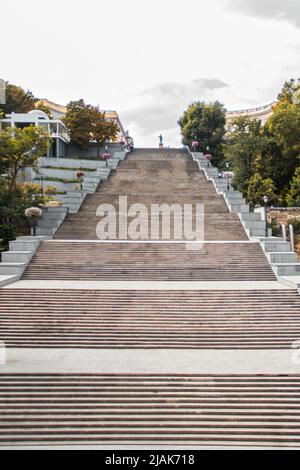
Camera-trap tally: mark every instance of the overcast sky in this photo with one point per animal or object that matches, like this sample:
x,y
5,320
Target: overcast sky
x,y
150,59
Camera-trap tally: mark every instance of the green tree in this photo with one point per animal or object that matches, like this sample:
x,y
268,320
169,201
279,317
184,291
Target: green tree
x,y
293,196
287,91
258,188
21,148
18,100
205,123
102,130
78,122
244,149
283,127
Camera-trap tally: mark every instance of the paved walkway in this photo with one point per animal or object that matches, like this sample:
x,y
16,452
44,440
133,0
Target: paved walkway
x,y
153,361
149,285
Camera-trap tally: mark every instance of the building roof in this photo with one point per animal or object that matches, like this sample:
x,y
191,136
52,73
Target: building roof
x,y
260,112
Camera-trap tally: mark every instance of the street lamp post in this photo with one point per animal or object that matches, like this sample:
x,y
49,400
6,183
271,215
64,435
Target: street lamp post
x,y
33,222
42,188
80,167
227,176
266,199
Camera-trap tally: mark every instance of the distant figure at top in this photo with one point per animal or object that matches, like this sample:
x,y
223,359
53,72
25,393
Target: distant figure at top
x,y
161,143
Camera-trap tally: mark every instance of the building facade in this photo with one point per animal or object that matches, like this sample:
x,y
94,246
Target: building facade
x,y
261,113
55,127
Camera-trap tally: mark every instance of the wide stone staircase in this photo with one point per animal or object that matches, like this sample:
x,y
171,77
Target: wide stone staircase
x,y
178,319
160,261
149,178
150,342
177,410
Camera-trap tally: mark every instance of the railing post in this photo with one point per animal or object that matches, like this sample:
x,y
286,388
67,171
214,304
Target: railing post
x,y
292,238
283,230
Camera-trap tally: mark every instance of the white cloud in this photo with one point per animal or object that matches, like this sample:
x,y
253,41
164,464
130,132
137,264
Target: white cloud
x,y
165,103
141,58
269,9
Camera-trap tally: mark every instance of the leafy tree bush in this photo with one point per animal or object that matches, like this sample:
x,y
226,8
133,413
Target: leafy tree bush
x,y
102,130
204,123
78,122
18,100
293,196
87,123
21,148
258,188
244,149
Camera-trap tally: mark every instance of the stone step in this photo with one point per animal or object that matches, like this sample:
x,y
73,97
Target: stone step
x,y
56,216
250,216
94,260
16,256
282,257
50,231
50,223
286,269
257,233
255,224
76,193
217,319
72,206
237,208
5,280
176,410
23,245
276,246
72,200
11,268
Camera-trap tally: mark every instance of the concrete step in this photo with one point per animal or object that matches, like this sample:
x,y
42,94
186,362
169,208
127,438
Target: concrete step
x,y
72,200
235,201
5,280
50,231
282,257
237,208
169,410
148,261
276,246
55,210
286,269
75,194
51,223
256,232
250,216
59,216
23,245
11,268
232,194
255,224
156,178
16,256
111,319
72,206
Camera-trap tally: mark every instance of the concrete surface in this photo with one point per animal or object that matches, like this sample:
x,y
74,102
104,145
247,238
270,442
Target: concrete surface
x,y
153,361
151,285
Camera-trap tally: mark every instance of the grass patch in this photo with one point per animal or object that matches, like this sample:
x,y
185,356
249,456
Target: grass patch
x,y
68,168
59,180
